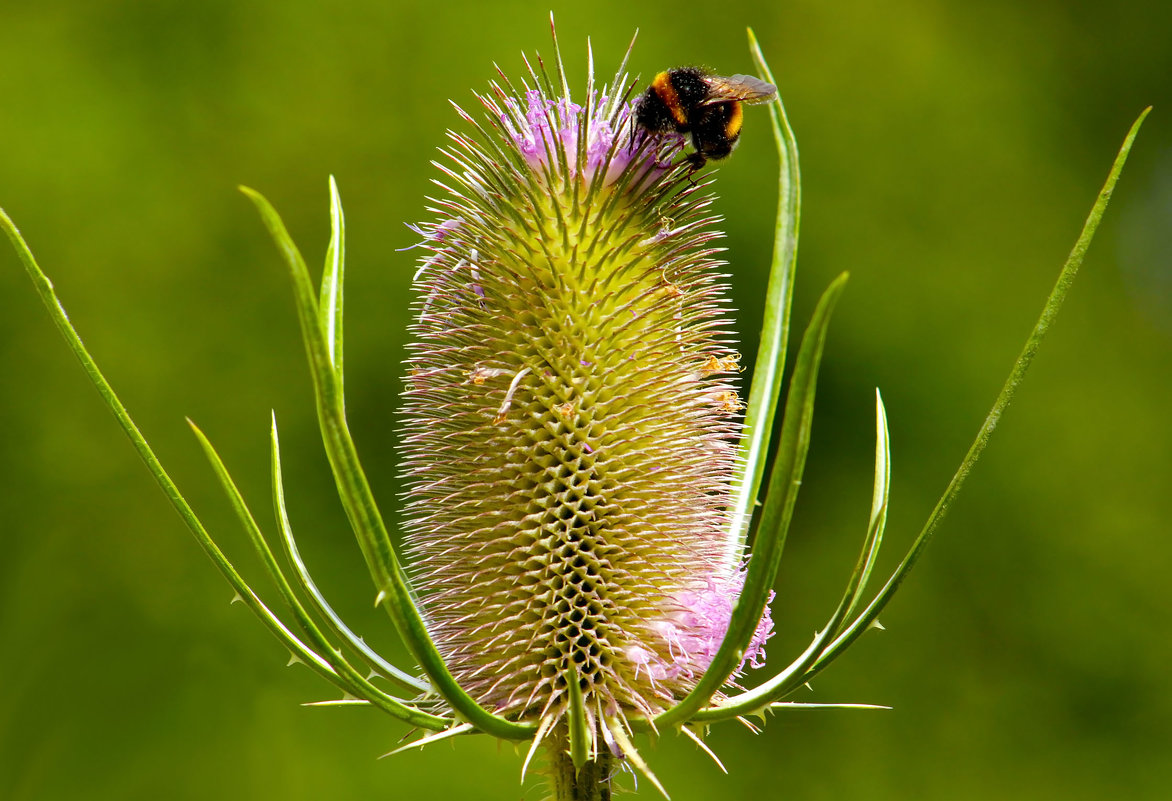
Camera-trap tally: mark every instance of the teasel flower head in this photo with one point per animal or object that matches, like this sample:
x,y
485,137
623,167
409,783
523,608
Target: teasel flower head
x,y
570,413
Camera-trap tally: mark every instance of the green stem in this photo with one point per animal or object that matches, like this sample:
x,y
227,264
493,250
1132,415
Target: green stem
x,y
589,783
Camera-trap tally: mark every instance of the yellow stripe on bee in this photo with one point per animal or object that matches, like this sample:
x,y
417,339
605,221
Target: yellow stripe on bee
x,y
733,127
667,93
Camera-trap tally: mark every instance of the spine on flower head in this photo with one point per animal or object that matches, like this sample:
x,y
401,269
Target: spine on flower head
x,y
569,413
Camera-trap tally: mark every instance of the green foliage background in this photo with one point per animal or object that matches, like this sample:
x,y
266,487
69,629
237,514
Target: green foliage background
x,y
949,150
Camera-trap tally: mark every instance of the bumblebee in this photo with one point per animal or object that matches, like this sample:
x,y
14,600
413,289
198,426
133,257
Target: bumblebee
x,y
688,100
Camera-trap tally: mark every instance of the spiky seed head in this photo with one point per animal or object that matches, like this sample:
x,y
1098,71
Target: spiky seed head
x,y
569,414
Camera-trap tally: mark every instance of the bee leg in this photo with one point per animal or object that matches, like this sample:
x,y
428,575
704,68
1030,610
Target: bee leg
x,y
695,162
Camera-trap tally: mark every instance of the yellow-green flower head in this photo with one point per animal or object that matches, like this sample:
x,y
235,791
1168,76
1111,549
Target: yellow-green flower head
x,y
570,415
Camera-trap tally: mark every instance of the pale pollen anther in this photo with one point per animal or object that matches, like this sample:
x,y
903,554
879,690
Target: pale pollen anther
x,y
503,411
479,374
728,401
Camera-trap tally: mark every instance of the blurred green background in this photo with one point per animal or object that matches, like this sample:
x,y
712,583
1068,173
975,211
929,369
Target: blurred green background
x,y
950,151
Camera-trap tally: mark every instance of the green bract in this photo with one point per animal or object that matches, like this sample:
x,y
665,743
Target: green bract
x,y
581,490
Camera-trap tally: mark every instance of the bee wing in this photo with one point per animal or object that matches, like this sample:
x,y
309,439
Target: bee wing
x,y
744,88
